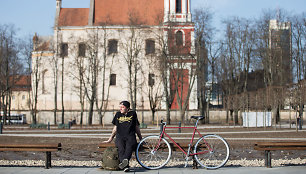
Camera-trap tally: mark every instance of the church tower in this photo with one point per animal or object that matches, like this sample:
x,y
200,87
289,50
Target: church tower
x,y
179,28
177,11
179,33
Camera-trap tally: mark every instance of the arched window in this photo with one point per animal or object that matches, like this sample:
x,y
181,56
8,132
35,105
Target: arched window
x,y
179,38
178,8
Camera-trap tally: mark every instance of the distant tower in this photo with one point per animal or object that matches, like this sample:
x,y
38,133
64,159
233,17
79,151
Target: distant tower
x,y
280,45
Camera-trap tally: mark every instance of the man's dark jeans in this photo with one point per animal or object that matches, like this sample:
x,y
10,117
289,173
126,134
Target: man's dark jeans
x,y
126,145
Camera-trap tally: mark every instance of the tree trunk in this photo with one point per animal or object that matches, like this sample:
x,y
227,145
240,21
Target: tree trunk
x,y
63,109
55,105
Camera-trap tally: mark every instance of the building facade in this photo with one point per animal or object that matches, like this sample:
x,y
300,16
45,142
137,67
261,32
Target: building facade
x,y
113,51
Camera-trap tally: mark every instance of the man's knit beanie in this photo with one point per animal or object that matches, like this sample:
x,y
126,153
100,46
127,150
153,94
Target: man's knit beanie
x,y
126,104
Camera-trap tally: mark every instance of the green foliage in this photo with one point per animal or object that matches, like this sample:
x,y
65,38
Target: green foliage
x,y
63,126
143,126
38,126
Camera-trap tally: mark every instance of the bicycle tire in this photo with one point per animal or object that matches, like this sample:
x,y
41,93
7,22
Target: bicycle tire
x,y
150,158
215,156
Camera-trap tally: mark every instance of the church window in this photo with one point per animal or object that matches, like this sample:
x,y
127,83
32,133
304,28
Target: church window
x,y
151,80
150,46
64,50
179,38
178,6
112,81
82,50
112,46
43,85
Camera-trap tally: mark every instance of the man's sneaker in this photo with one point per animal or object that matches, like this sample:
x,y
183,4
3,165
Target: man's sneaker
x,y
124,163
127,169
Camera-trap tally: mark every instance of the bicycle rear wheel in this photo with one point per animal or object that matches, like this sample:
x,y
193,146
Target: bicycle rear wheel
x,y
152,153
212,151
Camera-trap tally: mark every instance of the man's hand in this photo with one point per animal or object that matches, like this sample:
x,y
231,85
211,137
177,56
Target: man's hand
x,y
108,141
112,135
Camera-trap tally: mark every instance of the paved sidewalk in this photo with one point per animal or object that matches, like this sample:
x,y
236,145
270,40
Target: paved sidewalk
x,y
95,170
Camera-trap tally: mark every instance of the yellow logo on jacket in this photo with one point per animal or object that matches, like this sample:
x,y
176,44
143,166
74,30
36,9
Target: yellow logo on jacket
x,y
124,119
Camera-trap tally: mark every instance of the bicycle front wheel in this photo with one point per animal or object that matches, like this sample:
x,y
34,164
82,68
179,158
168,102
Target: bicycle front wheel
x,y
212,151
153,152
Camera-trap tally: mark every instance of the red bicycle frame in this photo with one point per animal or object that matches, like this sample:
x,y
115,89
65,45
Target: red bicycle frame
x,y
190,143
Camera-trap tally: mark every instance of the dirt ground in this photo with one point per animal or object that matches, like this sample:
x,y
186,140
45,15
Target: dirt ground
x,y
85,149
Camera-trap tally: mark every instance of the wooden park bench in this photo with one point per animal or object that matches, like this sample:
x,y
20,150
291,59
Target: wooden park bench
x,y
103,146
267,147
48,148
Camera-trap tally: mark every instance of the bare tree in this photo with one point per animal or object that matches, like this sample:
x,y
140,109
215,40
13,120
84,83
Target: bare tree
x,y
153,85
207,52
35,76
106,64
132,47
10,66
238,56
91,74
79,64
298,55
163,59
27,48
61,52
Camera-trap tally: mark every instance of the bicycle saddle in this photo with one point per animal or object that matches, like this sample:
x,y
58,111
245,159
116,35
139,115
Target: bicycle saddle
x,y
198,117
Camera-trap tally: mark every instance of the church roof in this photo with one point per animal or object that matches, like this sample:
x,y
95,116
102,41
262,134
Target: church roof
x,y
21,82
115,12
126,12
73,17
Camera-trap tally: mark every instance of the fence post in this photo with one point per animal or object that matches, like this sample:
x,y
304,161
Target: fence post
x,y
1,126
161,126
300,123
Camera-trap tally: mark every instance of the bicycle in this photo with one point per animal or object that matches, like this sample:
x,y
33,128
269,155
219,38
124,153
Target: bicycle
x,y
210,151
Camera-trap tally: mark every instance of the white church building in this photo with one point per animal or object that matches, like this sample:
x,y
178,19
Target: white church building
x,y
113,51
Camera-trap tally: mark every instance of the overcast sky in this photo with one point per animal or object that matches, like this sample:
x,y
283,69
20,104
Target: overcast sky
x,y
31,16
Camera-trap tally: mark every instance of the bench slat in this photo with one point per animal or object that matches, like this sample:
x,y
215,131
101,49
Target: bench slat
x,y
55,146
284,144
280,148
28,149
